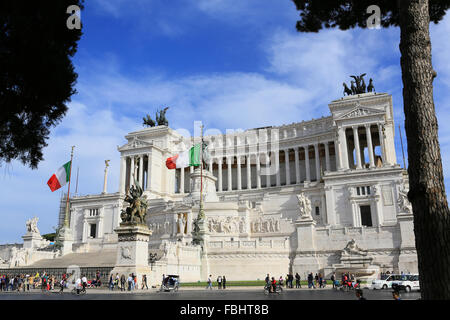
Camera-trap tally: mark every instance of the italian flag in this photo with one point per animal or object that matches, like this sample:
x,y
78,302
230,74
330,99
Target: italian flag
x,y
185,159
60,178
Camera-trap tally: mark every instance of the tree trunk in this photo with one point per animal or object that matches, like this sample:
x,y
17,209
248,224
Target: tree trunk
x,y
427,190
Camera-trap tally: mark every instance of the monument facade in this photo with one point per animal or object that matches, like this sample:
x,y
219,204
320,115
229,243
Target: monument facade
x,y
312,196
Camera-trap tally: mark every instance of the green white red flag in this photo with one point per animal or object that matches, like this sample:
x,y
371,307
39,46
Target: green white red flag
x,y
190,157
60,178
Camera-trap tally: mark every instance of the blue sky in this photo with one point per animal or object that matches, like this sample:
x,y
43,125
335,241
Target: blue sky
x,y
232,64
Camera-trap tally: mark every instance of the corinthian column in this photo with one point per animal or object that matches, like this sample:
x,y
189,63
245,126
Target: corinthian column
x,y
327,156
308,169
219,175
357,149
297,166
249,172
258,171
370,146
288,170
317,160
230,182
277,166
239,178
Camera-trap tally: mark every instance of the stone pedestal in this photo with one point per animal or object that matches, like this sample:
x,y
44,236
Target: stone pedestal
x,y
305,260
132,251
32,240
407,260
66,238
209,186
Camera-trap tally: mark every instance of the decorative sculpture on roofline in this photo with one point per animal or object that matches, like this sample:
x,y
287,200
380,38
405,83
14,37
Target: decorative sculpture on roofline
x,y
136,212
160,117
358,86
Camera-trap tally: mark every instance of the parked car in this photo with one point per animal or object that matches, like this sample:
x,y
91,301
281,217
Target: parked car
x,y
410,283
386,281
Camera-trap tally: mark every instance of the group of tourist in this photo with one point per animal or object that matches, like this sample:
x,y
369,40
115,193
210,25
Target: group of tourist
x,y
221,282
23,282
317,280
123,283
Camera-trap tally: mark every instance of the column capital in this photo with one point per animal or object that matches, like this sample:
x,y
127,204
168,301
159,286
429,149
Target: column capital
x,y
367,125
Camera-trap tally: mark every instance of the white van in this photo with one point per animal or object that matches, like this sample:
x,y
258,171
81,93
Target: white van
x,y
410,283
386,281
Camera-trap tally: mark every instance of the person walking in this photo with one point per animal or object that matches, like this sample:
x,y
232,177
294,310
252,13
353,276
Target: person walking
x,y
320,281
62,285
333,279
297,281
209,283
111,283
122,282
359,294
130,282
219,282
144,281
84,283
224,282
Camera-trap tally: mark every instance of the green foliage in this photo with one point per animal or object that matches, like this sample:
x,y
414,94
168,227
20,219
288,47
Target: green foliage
x,y
49,236
37,77
345,14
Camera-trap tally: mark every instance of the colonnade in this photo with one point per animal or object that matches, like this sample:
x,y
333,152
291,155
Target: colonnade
x,y
345,149
137,165
264,169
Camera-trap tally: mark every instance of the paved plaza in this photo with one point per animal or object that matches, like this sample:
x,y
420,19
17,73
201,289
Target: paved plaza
x,y
238,293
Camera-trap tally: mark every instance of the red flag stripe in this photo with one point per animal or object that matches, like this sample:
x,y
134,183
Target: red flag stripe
x,y
53,183
171,163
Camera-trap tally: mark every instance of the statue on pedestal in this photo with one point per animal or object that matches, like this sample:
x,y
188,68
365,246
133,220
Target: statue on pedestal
x,y
305,206
32,225
352,249
403,201
137,209
160,116
358,86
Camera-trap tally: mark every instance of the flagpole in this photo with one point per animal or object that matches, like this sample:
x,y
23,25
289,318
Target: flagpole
x,y
66,218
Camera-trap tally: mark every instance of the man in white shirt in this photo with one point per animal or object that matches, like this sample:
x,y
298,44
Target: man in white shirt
x,y
78,285
84,280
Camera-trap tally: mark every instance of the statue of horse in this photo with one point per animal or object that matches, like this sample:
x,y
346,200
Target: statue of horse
x,y
347,90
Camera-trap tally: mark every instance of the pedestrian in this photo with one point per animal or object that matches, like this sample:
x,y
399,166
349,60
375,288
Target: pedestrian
x,y
359,294
135,282
130,282
333,278
320,281
84,283
316,279
78,285
396,295
98,282
224,282
122,282
297,281
311,281
144,281
62,284
219,282
209,283
111,283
